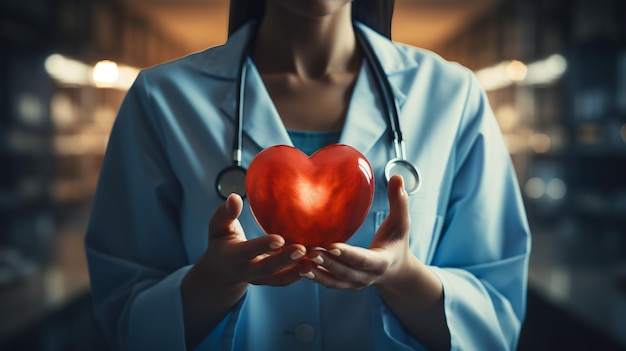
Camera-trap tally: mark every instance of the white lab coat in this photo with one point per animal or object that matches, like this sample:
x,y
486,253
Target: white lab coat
x,y
174,134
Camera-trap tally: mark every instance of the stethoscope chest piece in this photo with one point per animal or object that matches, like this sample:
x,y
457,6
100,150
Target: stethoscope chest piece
x,y
409,173
231,180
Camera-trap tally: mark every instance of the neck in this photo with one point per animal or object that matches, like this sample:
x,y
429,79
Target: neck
x,y
307,46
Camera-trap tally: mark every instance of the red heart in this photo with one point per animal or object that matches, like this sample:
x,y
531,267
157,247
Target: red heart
x,y
314,201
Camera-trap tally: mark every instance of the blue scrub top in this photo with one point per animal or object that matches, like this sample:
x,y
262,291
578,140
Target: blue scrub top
x,y
310,142
156,192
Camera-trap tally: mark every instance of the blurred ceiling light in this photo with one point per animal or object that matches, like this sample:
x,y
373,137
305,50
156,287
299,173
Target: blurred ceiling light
x,y
511,72
535,188
108,74
67,71
546,71
126,78
494,77
105,74
516,70
556,189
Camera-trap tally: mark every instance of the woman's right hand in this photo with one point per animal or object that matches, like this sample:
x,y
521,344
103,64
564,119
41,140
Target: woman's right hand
x,y
220,277
233,259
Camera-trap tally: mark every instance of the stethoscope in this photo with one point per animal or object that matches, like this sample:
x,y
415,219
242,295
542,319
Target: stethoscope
x,y
232,179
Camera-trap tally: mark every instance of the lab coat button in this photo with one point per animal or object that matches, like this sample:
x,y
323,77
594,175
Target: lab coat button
x,y
304,333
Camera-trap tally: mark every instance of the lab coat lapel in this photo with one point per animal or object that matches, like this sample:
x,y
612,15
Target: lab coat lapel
x,y
261,122
367,120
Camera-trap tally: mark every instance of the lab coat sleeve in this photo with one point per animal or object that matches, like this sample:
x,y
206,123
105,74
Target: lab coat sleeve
x,y
133,243
482,256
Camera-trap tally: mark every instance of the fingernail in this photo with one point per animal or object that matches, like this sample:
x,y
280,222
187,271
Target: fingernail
x,y
296,255
226,204
335,252
308,274
318,259
275,245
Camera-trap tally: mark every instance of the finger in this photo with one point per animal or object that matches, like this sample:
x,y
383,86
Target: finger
x,y
222,220
244,251
282,278
275,263
329,280
374,261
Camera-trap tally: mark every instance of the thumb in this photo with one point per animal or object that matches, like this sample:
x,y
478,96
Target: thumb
x,y
221,223
397,224
398,198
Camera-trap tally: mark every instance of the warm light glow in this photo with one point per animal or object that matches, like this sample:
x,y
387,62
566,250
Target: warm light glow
x,y
313,197
127,76
535,188
494,77
80,144
62,110
67,71
516,70
540,143
507,73
589,133
514,143
507,117
105,73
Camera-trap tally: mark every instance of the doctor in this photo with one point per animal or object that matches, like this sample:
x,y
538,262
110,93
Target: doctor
x,y
444,268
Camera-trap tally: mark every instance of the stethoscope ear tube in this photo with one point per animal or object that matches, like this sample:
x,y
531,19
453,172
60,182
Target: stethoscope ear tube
x,y
388,101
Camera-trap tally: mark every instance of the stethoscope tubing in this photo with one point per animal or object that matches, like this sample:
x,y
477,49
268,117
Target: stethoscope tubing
x,y
388,101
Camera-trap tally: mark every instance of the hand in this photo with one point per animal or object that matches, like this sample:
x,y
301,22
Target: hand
x,y
388,259
411,290
220,277
234,259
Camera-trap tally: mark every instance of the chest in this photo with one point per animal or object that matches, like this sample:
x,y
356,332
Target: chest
x,y
311,104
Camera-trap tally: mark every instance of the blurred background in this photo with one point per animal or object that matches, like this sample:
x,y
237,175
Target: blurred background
x,y
554,70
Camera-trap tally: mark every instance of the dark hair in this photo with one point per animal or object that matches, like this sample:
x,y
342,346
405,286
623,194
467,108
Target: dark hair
x,y
375,14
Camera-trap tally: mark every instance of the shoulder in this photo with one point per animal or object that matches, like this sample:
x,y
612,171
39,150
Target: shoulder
x,y
398,57
219,62
189,65
438,69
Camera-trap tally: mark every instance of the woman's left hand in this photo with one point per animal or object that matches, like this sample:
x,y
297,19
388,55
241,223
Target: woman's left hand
x,y
343,266
411,290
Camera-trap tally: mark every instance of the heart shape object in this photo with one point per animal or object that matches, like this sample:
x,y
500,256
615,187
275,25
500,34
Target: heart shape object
x,y
313,201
